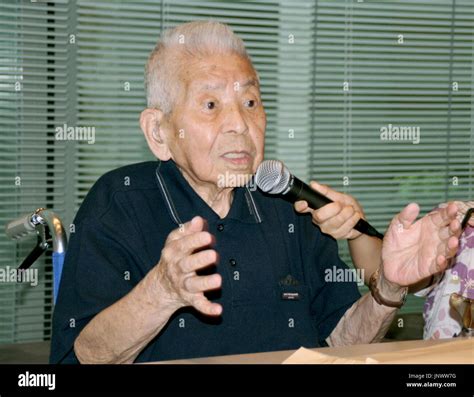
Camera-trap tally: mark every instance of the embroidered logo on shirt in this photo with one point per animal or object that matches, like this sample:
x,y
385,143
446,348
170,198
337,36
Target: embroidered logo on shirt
x,y
289,281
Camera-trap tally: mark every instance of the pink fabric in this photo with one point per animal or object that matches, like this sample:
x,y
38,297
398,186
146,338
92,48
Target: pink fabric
x,y
440,320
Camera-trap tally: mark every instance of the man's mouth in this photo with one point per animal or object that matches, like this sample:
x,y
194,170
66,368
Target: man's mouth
x,y
237,157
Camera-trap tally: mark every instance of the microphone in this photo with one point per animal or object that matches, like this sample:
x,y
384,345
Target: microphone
x,y
273,177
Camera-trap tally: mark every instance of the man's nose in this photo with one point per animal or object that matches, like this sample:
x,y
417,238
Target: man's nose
x,y
235,121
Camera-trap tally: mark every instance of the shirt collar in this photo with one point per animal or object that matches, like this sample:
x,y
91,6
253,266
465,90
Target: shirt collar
x,y
184,203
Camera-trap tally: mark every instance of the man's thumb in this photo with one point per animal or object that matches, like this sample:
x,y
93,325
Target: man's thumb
x,y
408,215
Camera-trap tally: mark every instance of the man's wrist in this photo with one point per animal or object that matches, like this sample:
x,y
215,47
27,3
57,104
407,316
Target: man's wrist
x,y
389,290
160,293
385,292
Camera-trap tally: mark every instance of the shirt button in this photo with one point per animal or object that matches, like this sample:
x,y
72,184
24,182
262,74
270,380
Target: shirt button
x,y
220,227
232,262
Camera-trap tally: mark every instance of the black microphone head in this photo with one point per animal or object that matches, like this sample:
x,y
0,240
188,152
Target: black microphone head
x,y
272,177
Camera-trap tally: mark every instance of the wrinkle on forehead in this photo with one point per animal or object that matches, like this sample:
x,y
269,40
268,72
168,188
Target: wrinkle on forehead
x,y
203,71
209,86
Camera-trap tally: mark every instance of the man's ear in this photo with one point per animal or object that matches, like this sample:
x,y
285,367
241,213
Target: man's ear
x,y
151,123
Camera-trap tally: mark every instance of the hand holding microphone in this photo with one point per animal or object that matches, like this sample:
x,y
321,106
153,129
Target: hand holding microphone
x,y
339,213
337,218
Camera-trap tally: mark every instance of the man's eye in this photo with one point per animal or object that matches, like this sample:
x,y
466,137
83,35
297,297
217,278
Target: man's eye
x,y
210,105
250,103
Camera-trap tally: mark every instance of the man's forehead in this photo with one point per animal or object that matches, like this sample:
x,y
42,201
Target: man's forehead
x,y
214,84
217,71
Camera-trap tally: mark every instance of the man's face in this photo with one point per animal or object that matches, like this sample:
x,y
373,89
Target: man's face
x,y
217,127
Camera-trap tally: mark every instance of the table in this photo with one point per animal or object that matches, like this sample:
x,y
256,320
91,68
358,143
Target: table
x,y
38,352
277,357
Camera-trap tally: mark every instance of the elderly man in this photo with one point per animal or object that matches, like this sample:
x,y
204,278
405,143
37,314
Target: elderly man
x,y
179,258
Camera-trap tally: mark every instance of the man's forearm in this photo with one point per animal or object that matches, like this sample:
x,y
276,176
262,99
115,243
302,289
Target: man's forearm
x,y
366,321
120,332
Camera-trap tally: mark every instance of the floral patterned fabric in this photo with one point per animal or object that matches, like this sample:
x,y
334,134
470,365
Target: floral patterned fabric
x,y
440,320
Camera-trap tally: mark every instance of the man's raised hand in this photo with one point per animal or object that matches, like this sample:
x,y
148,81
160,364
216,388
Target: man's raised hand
x,y
413,250
186,250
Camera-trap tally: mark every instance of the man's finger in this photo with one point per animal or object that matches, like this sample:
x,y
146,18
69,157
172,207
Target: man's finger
x,y
194,284
449,247
205,306
196,224
445,251
198,260
453,229
190,243
453,244
445,215
439,265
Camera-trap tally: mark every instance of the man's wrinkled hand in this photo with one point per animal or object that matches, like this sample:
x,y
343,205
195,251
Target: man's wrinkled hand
x,y
187,250
413,251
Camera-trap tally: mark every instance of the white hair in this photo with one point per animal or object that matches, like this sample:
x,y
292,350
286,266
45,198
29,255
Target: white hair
x,y
192,39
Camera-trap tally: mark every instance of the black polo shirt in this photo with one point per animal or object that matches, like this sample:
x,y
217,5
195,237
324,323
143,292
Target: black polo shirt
x,y
272,263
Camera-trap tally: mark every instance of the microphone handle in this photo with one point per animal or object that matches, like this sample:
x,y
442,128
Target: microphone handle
x,y
301,191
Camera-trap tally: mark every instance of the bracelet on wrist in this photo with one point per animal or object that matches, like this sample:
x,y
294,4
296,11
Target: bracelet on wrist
x,y
374,290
